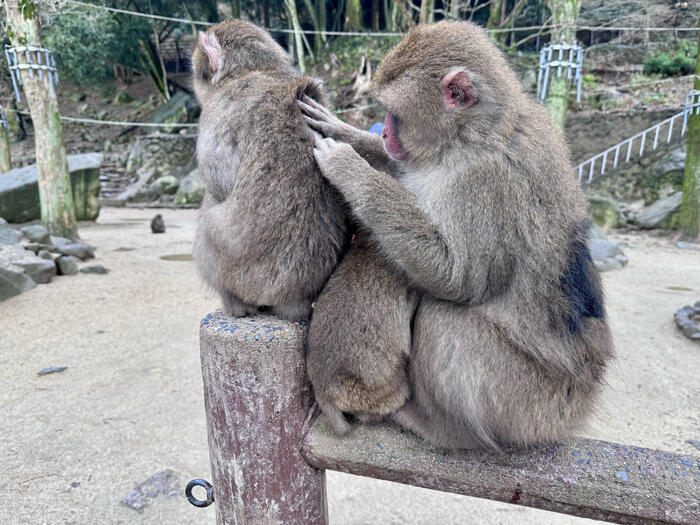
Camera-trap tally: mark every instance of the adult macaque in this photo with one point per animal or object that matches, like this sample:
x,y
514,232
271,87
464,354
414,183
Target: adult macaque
x,y
485,218
270,230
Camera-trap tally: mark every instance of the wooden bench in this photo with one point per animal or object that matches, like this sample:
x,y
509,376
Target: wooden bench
x,y
269,452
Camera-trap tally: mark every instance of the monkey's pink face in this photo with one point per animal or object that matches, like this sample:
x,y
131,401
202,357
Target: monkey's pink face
x,y
391,138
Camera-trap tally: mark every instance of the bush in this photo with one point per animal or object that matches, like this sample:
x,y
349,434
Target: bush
x,y
681,63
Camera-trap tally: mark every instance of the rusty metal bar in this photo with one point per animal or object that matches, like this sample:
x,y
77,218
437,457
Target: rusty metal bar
x,y
257,400
587,478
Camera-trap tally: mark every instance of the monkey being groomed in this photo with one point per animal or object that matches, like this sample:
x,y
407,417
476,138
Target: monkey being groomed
x,y
271,229
477,209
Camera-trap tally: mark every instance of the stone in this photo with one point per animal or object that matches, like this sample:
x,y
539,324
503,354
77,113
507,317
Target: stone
x,y
166,483
179,109
67,265
51,370
19,189
695,443
167,185
13,281
122,98
45,254
603,249
60,241
191,190
662,214
594,232
8,235
606,211
95,268
78,249
36,233
37,247
610,263
41,271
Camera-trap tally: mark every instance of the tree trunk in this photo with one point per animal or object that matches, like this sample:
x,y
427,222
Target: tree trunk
x,y
353,15
236,9
57,208
5,159
294,19
266,13
426,11
564,18
375,15
690,205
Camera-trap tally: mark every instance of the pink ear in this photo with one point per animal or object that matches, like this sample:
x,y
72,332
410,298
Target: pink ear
x,y
458,90
210,47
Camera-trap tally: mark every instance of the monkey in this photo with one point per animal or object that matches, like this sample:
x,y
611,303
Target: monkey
x,y
510,340
270,229
157,224
359,339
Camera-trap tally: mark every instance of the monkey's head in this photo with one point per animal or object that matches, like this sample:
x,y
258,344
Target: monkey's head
x,y
443,86
232,48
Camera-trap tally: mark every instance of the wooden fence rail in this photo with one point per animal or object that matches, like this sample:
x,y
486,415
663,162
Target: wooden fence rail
x,y
268,457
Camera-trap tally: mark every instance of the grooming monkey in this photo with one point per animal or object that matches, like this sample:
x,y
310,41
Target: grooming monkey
x,y
485,218
271,229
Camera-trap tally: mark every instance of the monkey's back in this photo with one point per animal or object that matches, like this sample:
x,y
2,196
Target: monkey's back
x,y
287,226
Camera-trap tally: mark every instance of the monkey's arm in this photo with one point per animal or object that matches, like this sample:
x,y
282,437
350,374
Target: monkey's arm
x,y
368,145
405,233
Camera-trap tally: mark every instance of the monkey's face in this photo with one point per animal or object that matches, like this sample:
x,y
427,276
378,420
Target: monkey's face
x,y
445,84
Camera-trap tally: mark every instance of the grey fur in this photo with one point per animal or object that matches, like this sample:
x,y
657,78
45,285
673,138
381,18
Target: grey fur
x,y
270,229
482,220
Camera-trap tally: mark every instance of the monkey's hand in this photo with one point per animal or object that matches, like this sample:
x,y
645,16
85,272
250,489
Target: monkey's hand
x,y
338,161
324,122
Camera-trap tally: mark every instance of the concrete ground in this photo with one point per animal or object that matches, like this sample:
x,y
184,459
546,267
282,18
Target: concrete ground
x,y
129,405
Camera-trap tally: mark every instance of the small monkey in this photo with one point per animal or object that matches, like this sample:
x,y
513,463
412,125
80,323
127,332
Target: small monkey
x,y
158,224
270,229
485,219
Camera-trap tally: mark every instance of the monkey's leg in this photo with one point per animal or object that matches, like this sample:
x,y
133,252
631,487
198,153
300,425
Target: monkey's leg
x,y
292,312
335,417
233,306
411,419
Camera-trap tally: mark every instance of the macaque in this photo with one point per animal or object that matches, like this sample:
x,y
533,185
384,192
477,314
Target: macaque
x,y
271,229
485,219
158,224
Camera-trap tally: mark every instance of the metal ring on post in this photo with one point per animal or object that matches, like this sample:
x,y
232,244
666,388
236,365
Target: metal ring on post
x,y
200,483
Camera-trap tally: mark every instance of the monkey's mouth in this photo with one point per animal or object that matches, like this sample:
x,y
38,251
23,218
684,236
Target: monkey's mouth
x,y
391,139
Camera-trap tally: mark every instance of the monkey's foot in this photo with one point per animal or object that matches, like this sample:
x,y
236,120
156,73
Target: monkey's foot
x,y
234,307
292,312
409,418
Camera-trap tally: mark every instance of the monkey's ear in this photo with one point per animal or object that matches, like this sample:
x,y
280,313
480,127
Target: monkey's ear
x,y
211,47
457,89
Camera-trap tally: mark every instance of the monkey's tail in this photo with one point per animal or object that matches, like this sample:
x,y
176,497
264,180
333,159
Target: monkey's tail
x,y
335,417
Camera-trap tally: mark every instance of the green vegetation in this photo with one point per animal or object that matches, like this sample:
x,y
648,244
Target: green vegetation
x,y
682,62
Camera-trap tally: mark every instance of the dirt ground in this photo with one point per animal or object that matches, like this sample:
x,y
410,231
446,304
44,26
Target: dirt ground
x,y
129,405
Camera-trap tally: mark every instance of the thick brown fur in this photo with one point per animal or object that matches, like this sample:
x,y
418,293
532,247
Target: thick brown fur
x,y
271,230
359,340
510,340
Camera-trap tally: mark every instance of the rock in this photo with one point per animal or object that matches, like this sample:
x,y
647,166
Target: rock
x,y
40,270
180,108
606,211
37,247
166,483
688,320
78,249
67,265
45,254
695,443
36,233
594,232
165,185
661,214
191,190
622,259
607,264
13,281
122,98
60,241
603,249
19,190
664,176
8,235
95,268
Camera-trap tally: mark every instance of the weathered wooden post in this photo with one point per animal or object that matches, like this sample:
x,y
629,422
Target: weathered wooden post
x,y
257,400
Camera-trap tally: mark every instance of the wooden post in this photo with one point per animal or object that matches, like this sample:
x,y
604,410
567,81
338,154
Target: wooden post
x,y
564,18
57,210
257,400
5,158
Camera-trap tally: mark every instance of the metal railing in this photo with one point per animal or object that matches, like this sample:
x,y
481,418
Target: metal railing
x,y
569,57
33,63
637,145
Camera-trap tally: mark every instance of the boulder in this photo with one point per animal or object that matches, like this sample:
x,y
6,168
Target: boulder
x,y
36,234
19,189
95,268
13,281
664,176
60,241
40,270
181,107
606,211
8,235
602,249
661,214
77,249
191,190
67,265
166,185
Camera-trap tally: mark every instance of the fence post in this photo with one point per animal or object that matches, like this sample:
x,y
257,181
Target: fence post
x,y
257,399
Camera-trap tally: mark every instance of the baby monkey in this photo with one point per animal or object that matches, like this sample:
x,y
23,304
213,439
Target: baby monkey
x,y
270,229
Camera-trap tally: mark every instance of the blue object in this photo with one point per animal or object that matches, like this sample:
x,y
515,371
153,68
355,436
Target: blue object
x,y
377,128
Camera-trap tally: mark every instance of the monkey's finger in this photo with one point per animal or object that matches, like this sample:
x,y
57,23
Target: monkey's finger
x,y
310,111
316,105
317,135
316,125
